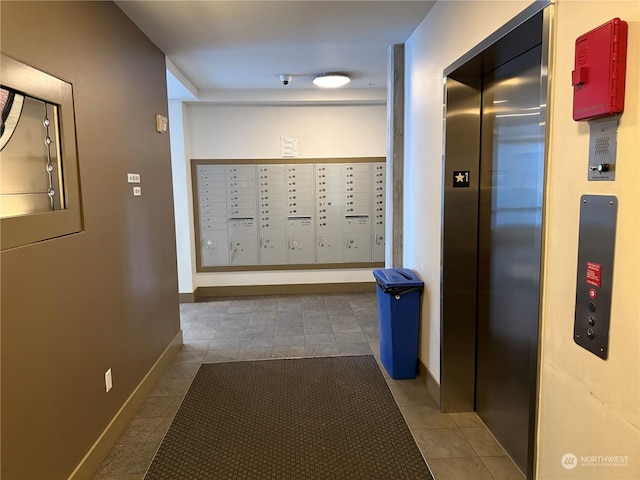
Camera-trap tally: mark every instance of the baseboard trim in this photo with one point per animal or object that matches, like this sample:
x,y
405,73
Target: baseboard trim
x,y
432,385
290,289
98,452
186,297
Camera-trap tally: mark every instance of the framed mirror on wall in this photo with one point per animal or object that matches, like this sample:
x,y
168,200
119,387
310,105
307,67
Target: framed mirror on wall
x,y
39,185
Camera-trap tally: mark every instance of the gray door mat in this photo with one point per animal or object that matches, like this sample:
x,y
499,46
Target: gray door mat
x,y
330,418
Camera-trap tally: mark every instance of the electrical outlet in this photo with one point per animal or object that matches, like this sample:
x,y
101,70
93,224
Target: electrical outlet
x,y
108,381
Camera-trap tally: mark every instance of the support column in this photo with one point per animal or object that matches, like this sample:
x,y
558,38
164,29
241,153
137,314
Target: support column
x,y
395,155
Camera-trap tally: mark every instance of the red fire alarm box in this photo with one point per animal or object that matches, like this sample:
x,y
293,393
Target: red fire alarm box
x,y
600,69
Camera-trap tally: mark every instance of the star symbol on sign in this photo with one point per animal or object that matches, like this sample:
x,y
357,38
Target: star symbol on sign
x,y
460,178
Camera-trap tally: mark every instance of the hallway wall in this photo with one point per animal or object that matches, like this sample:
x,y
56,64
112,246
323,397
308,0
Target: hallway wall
x,y
588,406
254,131
75,306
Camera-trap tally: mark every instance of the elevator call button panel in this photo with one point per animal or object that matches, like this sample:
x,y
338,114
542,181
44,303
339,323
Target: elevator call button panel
x,y
598,215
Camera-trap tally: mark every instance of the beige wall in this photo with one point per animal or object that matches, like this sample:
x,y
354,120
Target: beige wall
x,y
254,131
72,307
449,31
588,406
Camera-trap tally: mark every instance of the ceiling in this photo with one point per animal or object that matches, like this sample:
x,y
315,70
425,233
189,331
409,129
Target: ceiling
x,y
215,47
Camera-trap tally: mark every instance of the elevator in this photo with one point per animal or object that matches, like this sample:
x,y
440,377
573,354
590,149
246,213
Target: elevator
x,y
493,192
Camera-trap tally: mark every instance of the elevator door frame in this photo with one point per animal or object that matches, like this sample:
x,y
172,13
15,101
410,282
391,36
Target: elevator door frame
x,y
460,206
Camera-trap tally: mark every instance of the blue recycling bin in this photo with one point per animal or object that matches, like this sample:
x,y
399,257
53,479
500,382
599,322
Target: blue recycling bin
x,y
399,291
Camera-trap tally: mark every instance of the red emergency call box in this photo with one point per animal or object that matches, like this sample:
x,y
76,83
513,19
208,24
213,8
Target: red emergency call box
x,y
600,69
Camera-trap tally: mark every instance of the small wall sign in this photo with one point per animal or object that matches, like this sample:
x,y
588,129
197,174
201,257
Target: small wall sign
x,y
461,179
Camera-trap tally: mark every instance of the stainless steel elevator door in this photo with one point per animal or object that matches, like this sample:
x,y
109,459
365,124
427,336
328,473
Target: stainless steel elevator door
x,y
510,215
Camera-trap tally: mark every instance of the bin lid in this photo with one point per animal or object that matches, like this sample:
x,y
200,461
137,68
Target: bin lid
x,y
397,277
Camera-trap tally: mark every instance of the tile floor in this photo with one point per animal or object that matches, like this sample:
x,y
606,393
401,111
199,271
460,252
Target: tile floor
x,y
456,446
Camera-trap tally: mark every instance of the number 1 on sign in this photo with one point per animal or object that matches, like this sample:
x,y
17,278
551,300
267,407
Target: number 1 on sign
x,y
461,178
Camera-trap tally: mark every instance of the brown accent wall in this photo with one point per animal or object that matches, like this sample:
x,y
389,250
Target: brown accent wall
x,y
74,306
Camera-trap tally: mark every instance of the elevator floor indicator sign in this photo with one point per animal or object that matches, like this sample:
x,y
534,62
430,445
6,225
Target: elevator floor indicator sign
x,y
461,179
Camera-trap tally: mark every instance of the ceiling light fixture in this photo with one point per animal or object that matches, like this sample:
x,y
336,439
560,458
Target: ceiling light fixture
x,y
331,80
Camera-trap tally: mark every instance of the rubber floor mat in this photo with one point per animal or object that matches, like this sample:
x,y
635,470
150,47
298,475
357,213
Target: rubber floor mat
x,y
330,418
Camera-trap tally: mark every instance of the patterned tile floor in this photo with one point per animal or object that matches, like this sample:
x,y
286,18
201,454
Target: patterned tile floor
x,y
456,446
